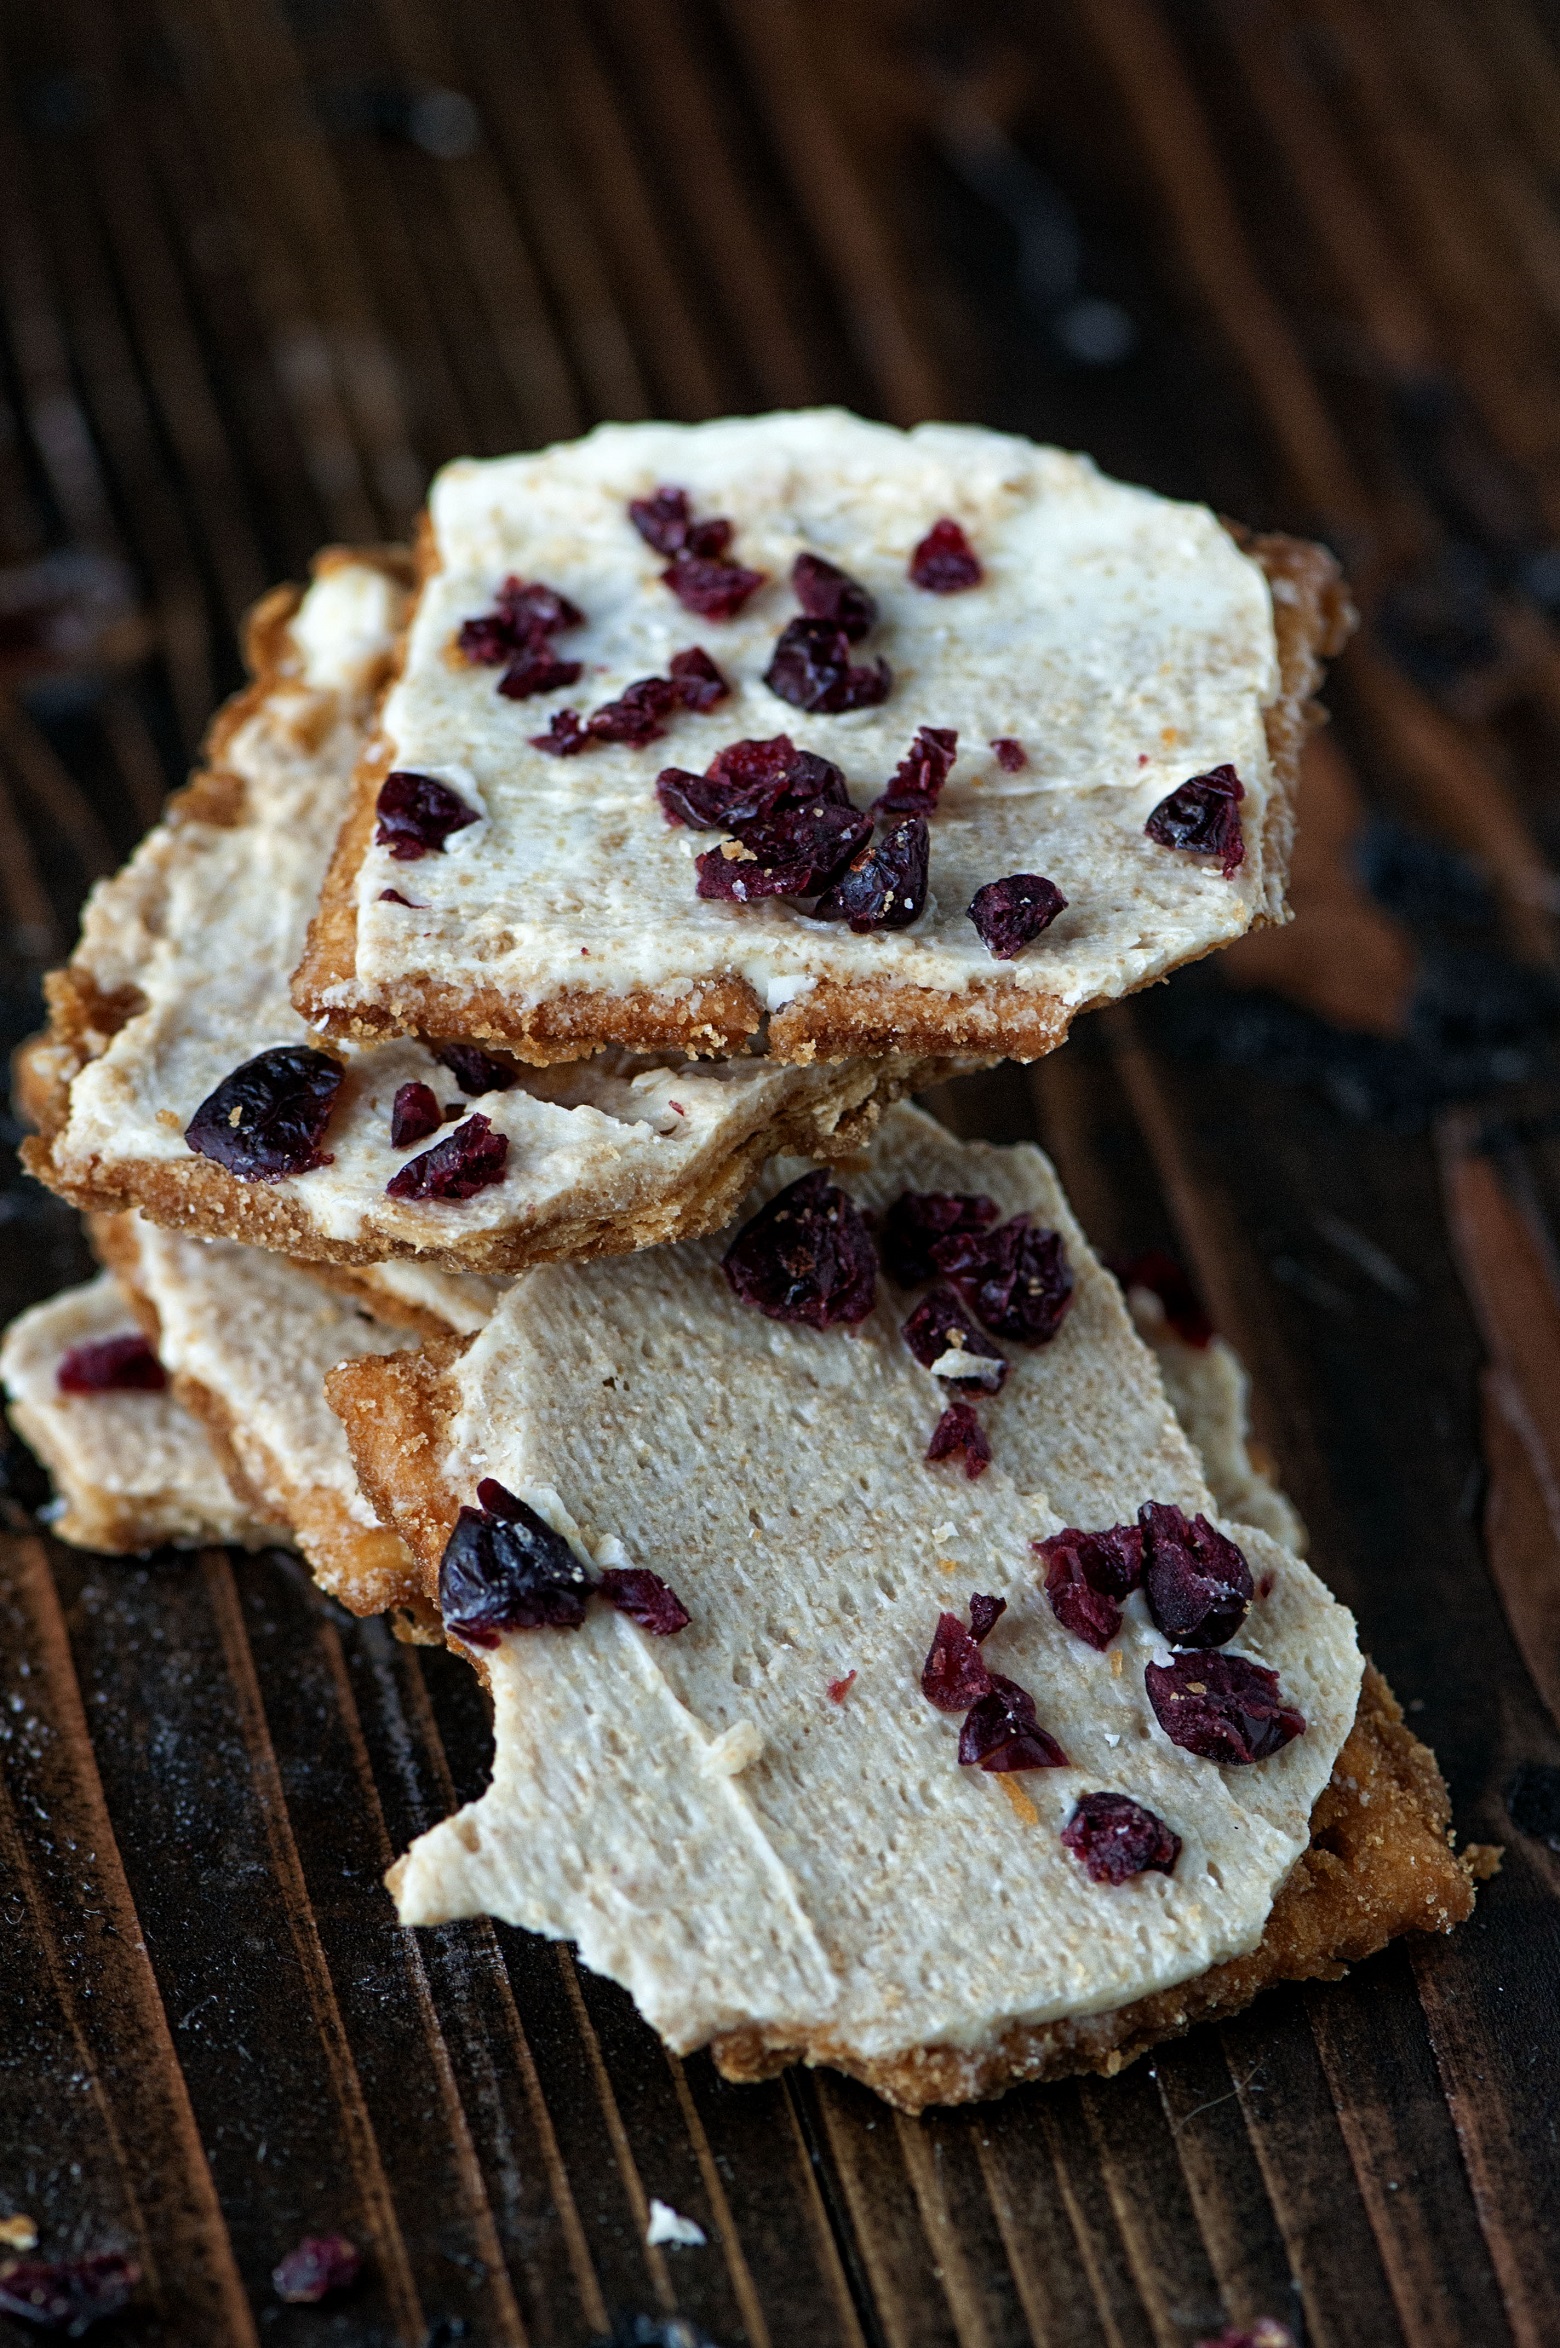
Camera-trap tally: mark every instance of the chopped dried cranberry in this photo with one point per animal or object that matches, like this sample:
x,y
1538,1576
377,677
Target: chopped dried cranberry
x,y
794,854
917,1219
537,669
1087,1575
528,613
807,1256
414,1114
476,1071
954,1675
394,897
1201,816
1223,1708
825,592
321,2265
985,1614
471,1159
1010,754
1000,1732
1165,1278
709,585
68,2295
698,681
664,520
1017,1278
266,1120
1197,1583
1266,2332
945,562
812,669
940,1326
1010,914
748,782
1116,1838
417,814
530,609
565,736
839,1689
635,717
916,784
884,887
111,1365
645,1599
959,1430
505,1569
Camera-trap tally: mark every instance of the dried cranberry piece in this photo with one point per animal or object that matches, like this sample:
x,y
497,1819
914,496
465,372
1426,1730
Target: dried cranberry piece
x,y
1166,1279
954,1675
471,1159
825,592
68,2295
505,1569
940,1326
748,782
916,784
476,1071
527,614
417,814
266,1120
1223,1708
663,521
917,1219
812,669
635,717
1116,1838
959,1430
884,887
807,1256
944,563
111,1365
698,681
1197,1583
1201,816
537,669
565,736
1010,754
795,853
414,1114
394,897
645,1599
839,1689
985,1614
1010,914
1000,1732
709,585
1017,1278
1087,1575
321,2264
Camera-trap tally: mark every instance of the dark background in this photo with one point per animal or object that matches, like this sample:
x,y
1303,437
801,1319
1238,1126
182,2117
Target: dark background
x,y
264,264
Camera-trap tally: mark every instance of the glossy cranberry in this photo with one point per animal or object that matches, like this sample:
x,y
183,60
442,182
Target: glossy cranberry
x,y
111,1365
266,1120
709,585
749,782
473,1158
944,563
884,885
1001,1733
960,1431
414,1114
916,783
1010,754
417,814
321,2265
1224,1708
812,669
825,592
1203,816
1166,1279
1016,1277
807,1256
645,1599
795,853
1197,1582
917,1220
1010,914
1087,1575
535,669
1116,1838
476,1071
699,682
941,1326
68,2295
954,1675
505,1569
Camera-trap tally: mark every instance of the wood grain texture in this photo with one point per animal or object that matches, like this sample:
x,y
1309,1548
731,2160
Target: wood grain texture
x,y
258,277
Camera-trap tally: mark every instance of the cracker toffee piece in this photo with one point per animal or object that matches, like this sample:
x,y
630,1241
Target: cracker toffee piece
x,y
131,1470
181,977
1125,643
760,1826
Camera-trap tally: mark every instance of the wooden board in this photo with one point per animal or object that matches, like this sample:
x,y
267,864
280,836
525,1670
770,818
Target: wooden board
x,y
256,278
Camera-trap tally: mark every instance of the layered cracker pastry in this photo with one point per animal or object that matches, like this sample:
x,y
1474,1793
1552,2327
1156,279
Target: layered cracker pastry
x,y
874,1681
872,741
177,1077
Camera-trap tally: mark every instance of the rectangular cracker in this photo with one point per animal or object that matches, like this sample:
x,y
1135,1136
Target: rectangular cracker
x,y
182,974
1125,640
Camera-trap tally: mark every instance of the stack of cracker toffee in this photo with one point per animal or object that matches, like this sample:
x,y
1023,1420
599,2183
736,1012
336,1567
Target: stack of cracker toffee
x,y
488,1088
